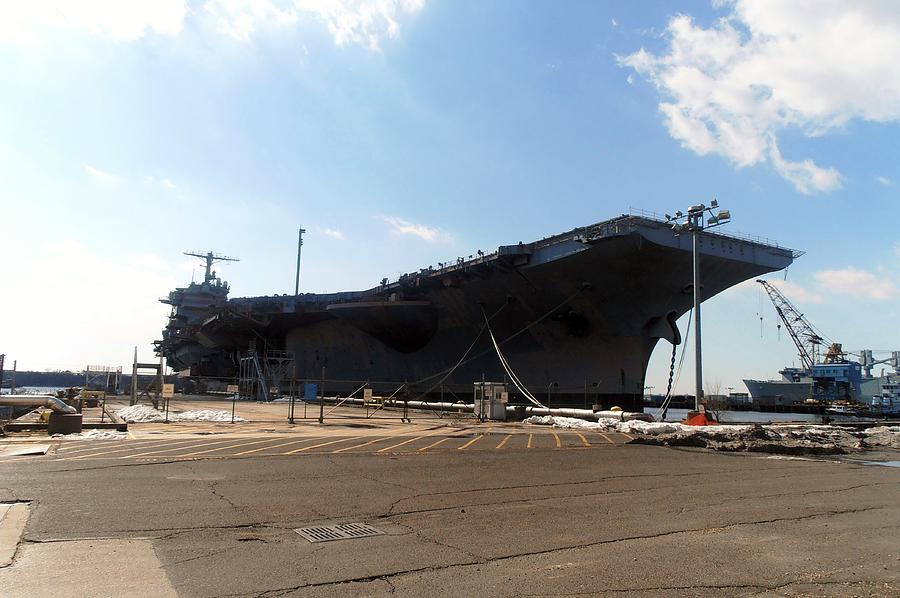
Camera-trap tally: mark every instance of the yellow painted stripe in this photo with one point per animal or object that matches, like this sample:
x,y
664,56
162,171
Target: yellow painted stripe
x,y
530,438
68,449
307,448
608,439
222,448
433,444
169,450
626,436
350,448
104,452
504,441
558,441
471,442
387,448
274,446
584,440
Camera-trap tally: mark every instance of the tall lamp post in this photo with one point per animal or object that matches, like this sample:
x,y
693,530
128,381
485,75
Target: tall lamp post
x,y
299,247
697,219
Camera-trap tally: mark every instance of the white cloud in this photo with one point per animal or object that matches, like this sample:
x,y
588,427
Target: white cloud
x,y
362,22
857,283
240,19
405,227
805,175
33,20
774,65
884,180
333,232
797,292
99,175
165,183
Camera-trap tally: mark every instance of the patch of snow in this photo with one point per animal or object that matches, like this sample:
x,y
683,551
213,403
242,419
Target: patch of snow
x,y
629,427
141,414
882,430
94,435
798,438
205,415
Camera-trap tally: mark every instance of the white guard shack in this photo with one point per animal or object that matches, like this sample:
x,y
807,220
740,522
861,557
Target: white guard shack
x,y
491,399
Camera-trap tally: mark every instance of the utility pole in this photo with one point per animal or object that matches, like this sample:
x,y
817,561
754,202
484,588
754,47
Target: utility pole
x,y
12,386
696,221
698,348
299,247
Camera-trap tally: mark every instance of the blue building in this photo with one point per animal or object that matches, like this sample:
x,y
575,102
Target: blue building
x,y
837,381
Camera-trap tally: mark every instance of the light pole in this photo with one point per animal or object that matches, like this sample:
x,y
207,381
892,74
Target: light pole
x,y
299,247
694,222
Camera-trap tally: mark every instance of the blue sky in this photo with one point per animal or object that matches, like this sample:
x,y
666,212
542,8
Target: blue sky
x,y
403,133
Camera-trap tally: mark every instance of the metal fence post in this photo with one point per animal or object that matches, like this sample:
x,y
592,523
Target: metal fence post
x,y
322,398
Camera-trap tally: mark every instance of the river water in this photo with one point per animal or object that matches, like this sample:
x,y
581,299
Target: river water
x,y
756,417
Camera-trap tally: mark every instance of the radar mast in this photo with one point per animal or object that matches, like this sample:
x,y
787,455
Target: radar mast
x,y
209,259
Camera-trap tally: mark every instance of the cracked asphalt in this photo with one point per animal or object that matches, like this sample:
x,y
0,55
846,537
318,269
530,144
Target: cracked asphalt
x,y
624,519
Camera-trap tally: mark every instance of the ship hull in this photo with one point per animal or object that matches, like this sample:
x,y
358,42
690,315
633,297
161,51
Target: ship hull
x,y
576,317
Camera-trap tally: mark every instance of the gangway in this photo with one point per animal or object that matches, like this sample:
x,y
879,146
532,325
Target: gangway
x,y
263,375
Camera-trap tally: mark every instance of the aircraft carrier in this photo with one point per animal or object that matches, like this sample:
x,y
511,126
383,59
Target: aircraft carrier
x,y
576,314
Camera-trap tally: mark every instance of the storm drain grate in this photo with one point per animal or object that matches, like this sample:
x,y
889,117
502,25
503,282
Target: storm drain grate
x,y
344,531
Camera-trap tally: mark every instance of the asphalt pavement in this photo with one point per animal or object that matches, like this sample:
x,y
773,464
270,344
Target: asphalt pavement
x,y
459,509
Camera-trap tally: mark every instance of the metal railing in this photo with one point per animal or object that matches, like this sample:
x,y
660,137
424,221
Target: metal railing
x,y
736,235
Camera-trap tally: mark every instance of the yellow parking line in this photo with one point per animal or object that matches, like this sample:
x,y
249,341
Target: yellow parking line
x,y
103,453
273,446
433,444
222,448
558,441
387,448
78,446
471,442
627,436
169,450
530,438
306,448
350,448
584,440
608,439
504,441
69,449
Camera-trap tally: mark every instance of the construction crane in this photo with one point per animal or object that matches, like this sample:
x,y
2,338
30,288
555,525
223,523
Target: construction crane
x,y
802,333
210,258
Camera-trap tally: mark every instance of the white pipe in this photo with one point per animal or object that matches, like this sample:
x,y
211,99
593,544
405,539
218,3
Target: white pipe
x,y
529,410
37,401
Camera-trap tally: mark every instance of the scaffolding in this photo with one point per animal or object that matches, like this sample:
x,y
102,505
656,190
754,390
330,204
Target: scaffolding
x,y
102,378
153,387
264,376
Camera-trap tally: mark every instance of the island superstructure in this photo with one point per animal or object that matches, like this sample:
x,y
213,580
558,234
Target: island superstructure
x,y
578,312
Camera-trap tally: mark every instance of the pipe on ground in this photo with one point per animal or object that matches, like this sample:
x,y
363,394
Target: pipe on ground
x,y
36,401
587,414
